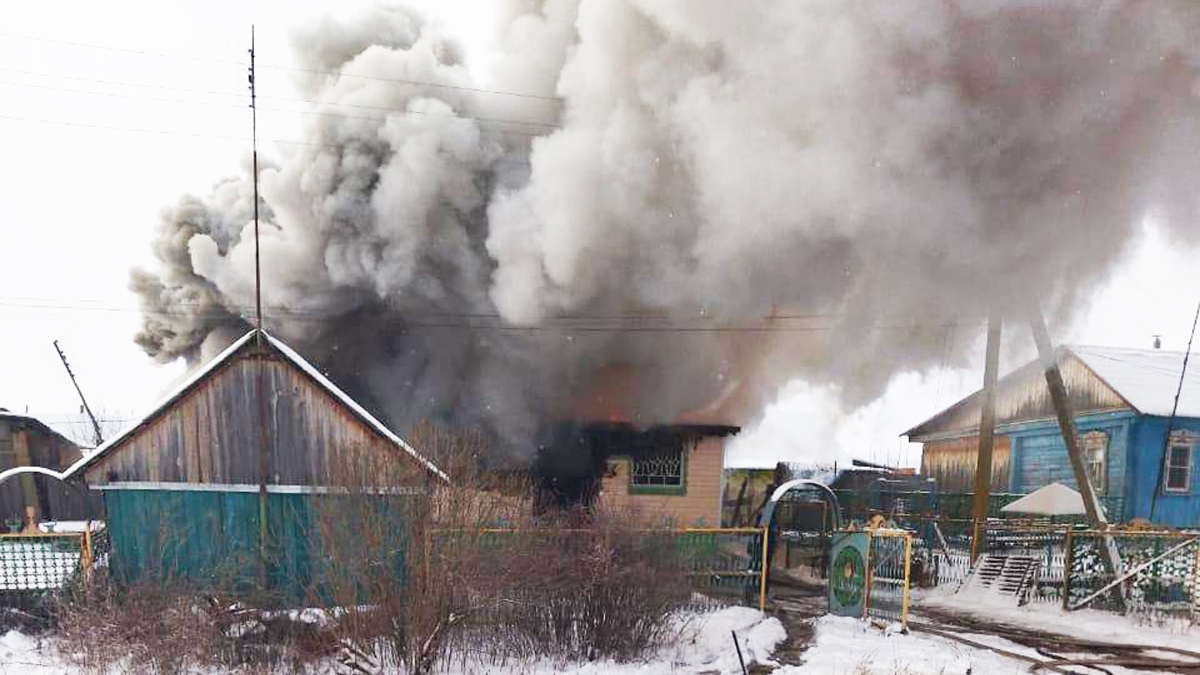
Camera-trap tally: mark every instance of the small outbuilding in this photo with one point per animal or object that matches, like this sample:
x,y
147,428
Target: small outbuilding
x,y
239,474
26,441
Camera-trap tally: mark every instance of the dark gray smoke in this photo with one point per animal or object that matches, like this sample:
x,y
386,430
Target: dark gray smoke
x,y
726,192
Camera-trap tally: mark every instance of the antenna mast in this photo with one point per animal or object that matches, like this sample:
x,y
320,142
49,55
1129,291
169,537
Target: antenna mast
x,y
254,139
88,410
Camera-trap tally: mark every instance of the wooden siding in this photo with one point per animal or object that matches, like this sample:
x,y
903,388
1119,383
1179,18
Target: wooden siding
x,y
213,432
952,463
1023,397
25,441
699,505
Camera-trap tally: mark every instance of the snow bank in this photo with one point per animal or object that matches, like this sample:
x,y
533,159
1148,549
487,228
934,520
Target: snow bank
x,y
28,656
704,645
1087,624
847,646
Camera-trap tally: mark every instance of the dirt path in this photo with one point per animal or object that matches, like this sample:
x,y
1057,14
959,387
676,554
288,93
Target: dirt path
x,y
795,604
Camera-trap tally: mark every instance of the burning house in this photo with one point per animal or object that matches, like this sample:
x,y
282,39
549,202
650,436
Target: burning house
x,y
608,455
663,202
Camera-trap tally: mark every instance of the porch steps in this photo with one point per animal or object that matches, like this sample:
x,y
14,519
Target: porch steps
x,y
1001,575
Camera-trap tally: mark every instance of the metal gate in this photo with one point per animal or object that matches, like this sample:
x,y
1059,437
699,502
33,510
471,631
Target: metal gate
x,y
870,574
888,575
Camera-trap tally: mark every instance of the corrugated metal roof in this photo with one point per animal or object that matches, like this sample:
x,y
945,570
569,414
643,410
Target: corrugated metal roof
x,y
1147,378
1097,379
291,356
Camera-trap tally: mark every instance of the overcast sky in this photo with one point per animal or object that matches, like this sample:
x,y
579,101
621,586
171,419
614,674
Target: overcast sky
x,y
109,112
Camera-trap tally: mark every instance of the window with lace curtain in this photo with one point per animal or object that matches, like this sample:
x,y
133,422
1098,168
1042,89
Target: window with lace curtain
x,y
1095,450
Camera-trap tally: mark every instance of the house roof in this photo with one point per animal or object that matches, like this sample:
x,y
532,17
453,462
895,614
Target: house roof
x,y
1147,378
296,360
1101,378
6,414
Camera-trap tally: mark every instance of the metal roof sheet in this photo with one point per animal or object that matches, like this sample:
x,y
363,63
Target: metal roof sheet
x,y
1147,378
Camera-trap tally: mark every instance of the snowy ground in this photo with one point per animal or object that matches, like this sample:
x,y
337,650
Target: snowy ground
x,y
846,646
1088,624
704,645
841,646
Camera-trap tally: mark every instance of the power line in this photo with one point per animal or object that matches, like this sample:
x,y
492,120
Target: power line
x,y
116,82
282,99
241,139
454,115
464,323
395,80
133,306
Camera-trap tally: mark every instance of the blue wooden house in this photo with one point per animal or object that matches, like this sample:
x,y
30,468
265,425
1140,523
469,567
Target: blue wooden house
x,y
1122,400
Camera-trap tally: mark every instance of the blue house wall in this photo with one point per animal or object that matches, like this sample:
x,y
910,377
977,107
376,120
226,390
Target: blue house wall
x,y
1038,457
1174,509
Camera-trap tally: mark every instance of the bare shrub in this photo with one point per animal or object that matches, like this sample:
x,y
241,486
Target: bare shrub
x,y
144,629
483,577
405,573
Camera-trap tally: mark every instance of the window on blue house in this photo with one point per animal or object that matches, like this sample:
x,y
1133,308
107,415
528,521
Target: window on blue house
x,y
1095,449
1179,467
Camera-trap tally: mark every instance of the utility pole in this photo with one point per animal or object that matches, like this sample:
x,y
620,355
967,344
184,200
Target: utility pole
x,y
987,435
98,437
258,316
1070,435
264,438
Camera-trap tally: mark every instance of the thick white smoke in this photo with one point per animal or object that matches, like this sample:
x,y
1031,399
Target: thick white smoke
x,y
725,191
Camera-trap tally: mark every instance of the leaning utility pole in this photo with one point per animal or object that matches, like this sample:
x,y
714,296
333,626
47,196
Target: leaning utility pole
x,y
1066,425
95,425
987,435
1066,421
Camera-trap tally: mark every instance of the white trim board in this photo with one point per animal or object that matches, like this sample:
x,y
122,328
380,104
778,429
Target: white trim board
x,y
251,487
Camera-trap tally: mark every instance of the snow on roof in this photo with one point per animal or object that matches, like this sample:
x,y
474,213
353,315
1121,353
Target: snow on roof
x,y
1147,378
212,365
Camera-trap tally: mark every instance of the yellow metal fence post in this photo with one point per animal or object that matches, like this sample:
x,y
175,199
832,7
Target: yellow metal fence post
x,y
907,579
870,576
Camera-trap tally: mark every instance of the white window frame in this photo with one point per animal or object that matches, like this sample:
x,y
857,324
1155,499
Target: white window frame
x,y
1189,450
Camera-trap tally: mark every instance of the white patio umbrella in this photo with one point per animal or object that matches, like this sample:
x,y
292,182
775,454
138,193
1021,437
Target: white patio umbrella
x,y
1054,499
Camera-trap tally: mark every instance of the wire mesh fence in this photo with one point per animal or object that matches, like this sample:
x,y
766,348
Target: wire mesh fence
x,y
1158,579
720,565
40,562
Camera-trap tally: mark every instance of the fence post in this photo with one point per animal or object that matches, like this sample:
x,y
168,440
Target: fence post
x,y
762,572
907,579
88,555
1068,561
1195,583
869,576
